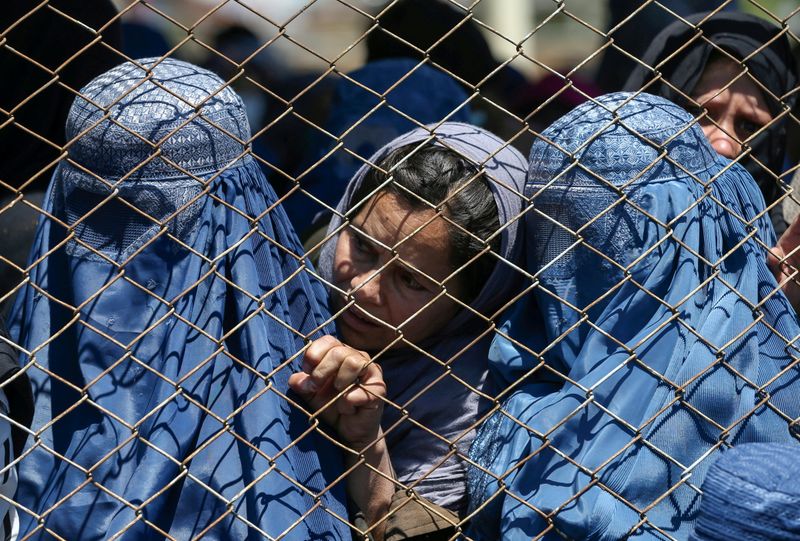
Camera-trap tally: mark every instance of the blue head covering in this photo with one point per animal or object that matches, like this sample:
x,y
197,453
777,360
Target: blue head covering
x,y
654,335
420,425
413,94
164,311
751,492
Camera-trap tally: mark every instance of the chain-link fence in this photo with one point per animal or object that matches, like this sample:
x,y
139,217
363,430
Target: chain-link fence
x,y
417,297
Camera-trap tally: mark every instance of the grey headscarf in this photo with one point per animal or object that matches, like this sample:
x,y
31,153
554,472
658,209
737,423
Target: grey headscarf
x,y
443,398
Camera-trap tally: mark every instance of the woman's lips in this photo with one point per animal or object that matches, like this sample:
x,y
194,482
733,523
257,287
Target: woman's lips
x,y
356,321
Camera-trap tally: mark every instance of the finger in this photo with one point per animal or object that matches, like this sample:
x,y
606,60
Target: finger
x,y
774,258
362,397
372,381
368,394
358,399
317,399
352,365
789,242
345,407
302,384
317,350
329,365
792,233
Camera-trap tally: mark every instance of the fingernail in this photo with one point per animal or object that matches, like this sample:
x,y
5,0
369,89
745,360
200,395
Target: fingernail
x,y
308,386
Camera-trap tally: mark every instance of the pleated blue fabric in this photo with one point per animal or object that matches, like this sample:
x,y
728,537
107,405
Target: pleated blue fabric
x,y
164,313
751,493
655,337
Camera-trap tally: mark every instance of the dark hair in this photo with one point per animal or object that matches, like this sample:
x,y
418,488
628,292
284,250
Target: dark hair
x,y
435,176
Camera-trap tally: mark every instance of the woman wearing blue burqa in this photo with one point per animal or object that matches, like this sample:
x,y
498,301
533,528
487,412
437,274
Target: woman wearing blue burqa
x,y
656,337
165,309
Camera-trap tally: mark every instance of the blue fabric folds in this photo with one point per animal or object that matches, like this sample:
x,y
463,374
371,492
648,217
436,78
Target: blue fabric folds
x,y
414,94
165,310
655,335
751,493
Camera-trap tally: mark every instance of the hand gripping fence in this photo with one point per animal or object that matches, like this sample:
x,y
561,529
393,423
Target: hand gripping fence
x,y
173,259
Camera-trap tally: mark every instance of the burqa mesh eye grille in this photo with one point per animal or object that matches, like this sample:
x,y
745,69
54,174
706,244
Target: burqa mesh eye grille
x,y
195,193
112,227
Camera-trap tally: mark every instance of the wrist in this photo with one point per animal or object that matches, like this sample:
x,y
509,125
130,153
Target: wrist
x,y
373,450
371,483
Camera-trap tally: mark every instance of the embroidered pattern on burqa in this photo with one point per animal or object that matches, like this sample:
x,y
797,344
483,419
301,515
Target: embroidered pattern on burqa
x,y
751,493
656,336
165,310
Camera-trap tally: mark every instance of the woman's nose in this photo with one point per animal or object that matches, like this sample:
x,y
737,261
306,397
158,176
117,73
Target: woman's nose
x,y
723,143
366,288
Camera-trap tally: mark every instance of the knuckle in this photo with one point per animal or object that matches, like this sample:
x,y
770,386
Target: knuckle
x,y
340,351
317,349
327,342
353,397
377,392
355,361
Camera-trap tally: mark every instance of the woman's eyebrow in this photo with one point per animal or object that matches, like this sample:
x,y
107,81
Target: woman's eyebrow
x,y
419,275
358,230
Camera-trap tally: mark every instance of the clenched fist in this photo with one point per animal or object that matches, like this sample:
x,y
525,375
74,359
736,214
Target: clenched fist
x,y
346,387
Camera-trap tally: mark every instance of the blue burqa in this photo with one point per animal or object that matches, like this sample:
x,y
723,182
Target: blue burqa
x,y
164,311
751,492
655,337
370,108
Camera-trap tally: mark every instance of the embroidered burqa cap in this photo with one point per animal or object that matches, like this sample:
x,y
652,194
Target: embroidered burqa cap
x,y
751,492
167,305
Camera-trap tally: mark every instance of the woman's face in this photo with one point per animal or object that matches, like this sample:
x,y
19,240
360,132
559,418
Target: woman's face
x,y
737,112
391,261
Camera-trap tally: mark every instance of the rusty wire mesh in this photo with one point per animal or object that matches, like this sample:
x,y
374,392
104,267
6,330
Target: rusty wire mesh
x,y
520,127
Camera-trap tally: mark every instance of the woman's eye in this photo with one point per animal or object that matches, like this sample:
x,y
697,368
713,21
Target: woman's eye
x,y
359,243
362,246
745,128
411,282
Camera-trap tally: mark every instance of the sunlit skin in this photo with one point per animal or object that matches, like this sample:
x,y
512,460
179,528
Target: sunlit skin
x,y
347,389
737,112
387,291
740,111
391,261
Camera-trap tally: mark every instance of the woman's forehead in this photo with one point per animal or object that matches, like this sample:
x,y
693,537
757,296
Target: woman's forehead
x,y
416,234
724,73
